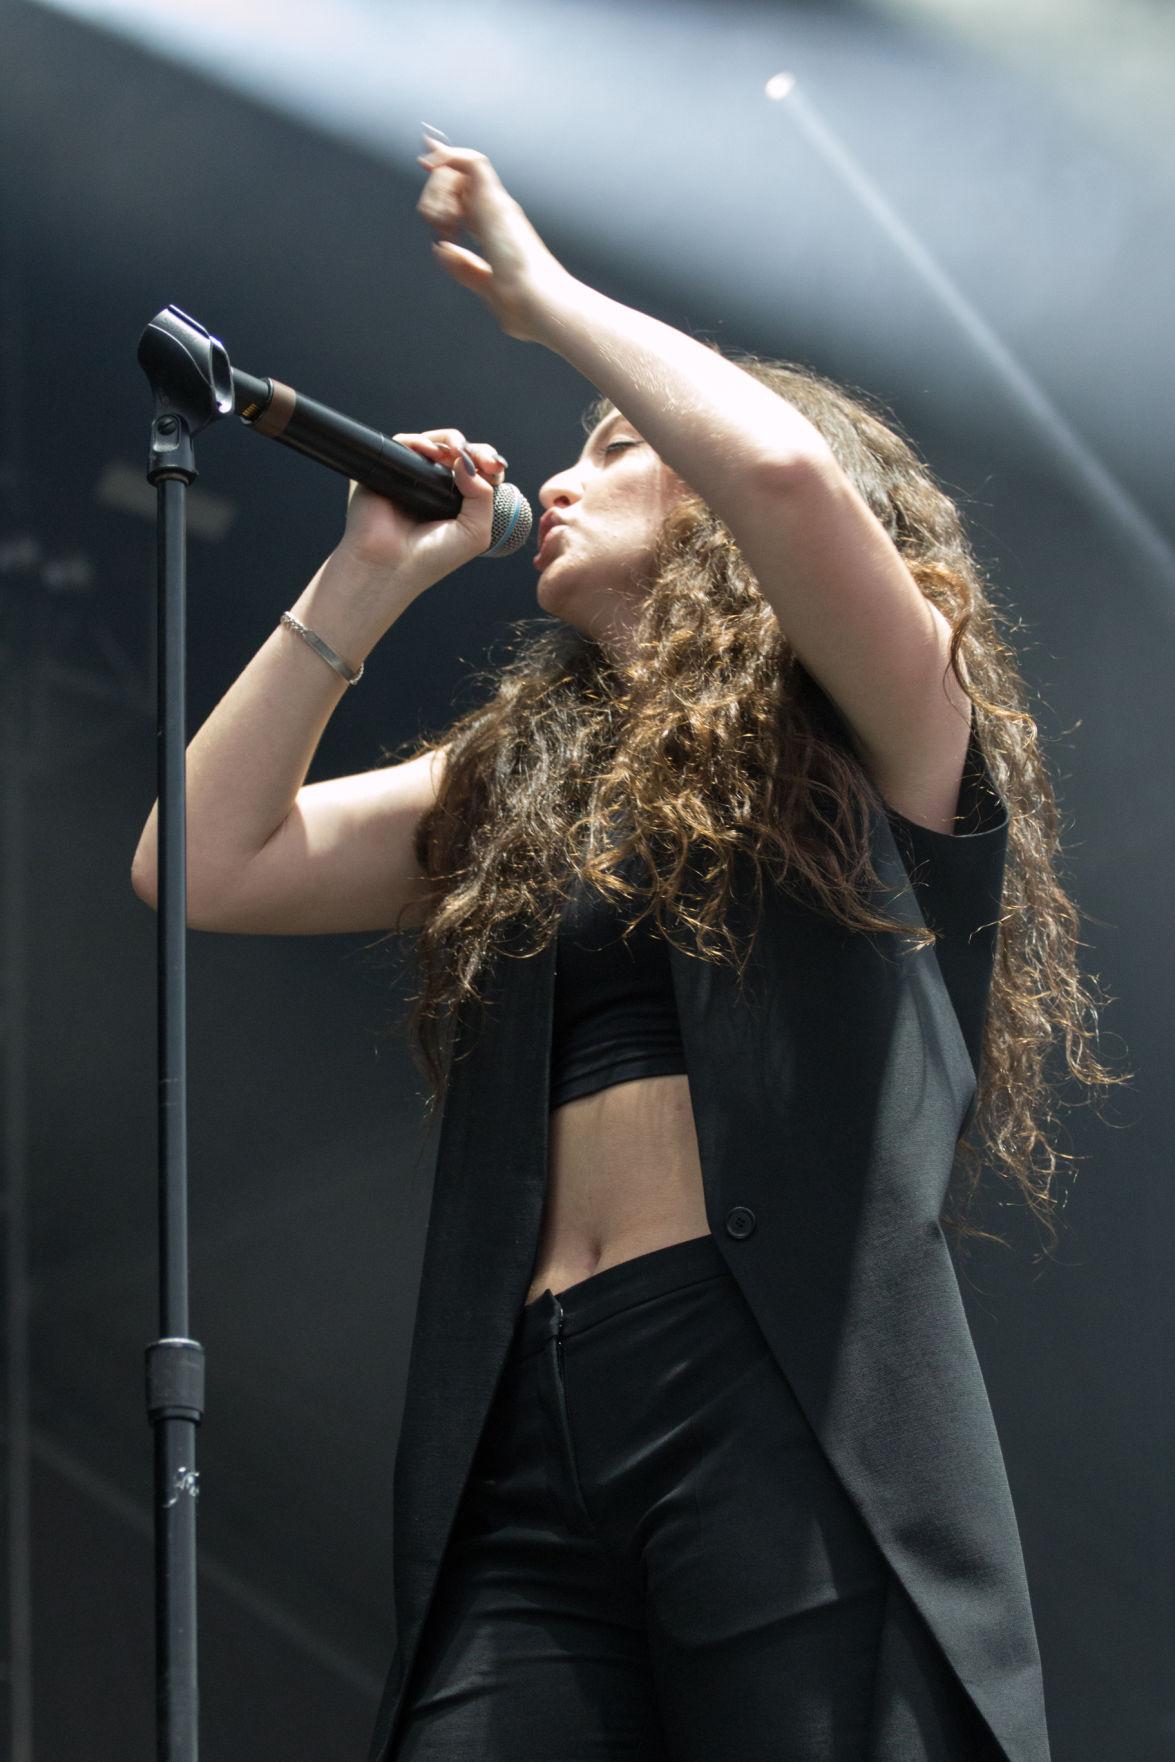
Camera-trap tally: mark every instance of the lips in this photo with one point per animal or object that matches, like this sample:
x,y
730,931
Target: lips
x,y
540,557
548,528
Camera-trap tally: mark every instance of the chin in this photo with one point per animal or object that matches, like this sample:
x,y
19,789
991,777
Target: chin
x,y
543,580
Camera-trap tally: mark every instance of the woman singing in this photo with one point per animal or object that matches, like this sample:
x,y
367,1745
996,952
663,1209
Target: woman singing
x,y
722,902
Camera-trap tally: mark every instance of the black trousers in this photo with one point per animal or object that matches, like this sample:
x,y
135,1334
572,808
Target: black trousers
x,y
652,1558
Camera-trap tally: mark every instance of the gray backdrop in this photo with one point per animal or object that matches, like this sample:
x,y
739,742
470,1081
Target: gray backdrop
x,y
955,223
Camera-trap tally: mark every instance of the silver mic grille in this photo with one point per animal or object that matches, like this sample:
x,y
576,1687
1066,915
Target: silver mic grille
x,y
513,520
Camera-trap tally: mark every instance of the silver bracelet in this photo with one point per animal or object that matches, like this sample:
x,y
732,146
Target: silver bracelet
x,y
323,649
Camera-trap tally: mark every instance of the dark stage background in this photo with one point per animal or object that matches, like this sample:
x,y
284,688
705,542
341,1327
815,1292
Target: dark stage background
x,y
256,166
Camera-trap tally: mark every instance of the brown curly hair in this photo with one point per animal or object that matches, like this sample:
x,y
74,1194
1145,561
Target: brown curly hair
x,y
711,739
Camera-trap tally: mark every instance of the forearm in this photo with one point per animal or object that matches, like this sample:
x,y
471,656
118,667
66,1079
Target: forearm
x,y
702,414
249,759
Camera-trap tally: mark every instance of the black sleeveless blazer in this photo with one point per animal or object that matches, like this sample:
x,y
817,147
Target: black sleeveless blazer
x,y
829,1094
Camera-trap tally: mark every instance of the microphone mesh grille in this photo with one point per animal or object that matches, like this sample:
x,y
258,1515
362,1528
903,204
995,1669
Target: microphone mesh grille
x,y
513,519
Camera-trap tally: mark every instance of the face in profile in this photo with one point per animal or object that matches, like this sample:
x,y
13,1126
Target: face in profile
x,y
605,513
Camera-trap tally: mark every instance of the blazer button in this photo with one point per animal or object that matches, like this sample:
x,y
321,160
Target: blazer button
x,y
740,1222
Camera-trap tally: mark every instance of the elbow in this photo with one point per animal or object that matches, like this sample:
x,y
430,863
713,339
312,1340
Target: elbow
x,y
787,468
146,884
203,909
145,863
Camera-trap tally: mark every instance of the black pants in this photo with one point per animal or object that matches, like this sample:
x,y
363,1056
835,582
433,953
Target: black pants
x,y
652,1559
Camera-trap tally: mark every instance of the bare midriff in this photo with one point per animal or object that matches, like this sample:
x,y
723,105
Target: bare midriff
x,y
623,1178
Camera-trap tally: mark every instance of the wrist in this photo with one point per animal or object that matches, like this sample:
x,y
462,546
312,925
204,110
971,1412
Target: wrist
x,y
351,602
554,306
368,581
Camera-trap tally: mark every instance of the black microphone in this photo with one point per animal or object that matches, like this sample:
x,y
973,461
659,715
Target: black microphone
x,y
420,486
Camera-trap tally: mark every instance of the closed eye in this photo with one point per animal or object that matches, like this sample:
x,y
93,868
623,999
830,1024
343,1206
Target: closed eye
x,y
611,447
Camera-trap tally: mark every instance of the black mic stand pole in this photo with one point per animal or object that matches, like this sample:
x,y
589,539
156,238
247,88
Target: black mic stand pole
x,y
192,386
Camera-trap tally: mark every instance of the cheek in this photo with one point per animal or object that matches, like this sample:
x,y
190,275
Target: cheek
x,y
670,490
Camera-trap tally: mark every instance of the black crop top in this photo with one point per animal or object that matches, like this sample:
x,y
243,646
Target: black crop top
x,y
615,1013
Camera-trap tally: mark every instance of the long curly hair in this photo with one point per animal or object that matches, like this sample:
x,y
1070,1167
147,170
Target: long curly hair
x,y
711,739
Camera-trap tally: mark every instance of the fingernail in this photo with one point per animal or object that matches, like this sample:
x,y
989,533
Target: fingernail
x,y
504,463
438,134
467,461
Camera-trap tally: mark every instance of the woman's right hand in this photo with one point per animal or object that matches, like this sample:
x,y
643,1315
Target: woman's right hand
x,y
380,535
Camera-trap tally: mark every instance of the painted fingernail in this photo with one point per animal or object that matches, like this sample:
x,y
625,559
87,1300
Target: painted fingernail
x,y
467,461
504,463
438,134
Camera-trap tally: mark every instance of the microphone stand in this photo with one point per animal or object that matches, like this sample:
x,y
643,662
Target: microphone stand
x,y
191,381
194,384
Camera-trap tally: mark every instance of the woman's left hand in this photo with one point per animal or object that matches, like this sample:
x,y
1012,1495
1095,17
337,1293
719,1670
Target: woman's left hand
x,y
517,276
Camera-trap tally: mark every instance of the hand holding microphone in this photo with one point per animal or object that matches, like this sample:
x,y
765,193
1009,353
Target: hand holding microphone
x,y
413,472
380,535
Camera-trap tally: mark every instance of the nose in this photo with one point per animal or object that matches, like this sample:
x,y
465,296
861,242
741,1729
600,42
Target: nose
x,y
564,488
